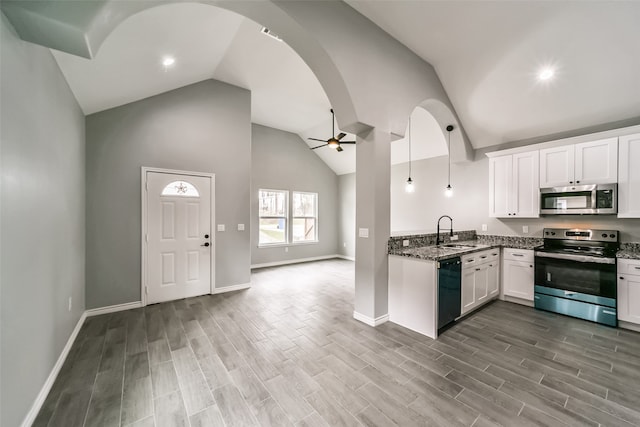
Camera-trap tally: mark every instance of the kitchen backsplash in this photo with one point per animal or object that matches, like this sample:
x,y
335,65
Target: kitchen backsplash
x,y
418,240
510,241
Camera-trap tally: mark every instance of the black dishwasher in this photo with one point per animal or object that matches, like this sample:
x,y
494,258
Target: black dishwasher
x,y
449,276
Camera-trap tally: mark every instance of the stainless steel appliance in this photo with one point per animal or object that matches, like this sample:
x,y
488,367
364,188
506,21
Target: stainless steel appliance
x,y
579,199
575,274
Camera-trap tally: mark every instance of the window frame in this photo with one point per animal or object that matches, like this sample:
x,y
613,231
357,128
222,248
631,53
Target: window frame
x,y
314,216
286,218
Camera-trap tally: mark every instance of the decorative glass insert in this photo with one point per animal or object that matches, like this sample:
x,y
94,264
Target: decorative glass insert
x,y
180,188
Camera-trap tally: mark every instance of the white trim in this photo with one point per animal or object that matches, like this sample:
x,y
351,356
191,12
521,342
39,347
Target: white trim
x,y
46,387
113,308
348,258
628,325
370,320
231,288
143,225
294,261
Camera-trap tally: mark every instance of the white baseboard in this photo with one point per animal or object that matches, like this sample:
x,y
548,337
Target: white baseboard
x,y
370,320
628,325
113,308
231,288
295,261
46,388
348,258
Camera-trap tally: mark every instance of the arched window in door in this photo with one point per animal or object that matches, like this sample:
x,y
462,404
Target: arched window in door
x,y
181,189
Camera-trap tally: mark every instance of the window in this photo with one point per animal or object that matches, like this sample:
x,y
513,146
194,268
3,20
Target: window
x,y
180,188
305,217
273,212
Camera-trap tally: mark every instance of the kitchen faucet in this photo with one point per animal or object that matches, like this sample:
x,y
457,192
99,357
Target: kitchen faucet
x,y
450,230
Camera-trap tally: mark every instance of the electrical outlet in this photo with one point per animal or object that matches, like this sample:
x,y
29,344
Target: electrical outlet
x,y
221,227
454,237
363,232
484,227
525,229
405,242
344,244
240,227
70,303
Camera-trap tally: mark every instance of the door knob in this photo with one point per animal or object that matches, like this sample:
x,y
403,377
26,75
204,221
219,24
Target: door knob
x,y
206,244
206,236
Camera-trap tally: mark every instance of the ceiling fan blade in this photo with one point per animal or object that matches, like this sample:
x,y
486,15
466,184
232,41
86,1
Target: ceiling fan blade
x,y
341,135
339,149
323,145
316,139
347,142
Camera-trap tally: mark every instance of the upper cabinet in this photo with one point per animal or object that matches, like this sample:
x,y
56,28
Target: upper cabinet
x,y
629,177
594,162
513,186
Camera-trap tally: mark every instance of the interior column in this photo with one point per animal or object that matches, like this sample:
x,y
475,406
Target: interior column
x,y
373,169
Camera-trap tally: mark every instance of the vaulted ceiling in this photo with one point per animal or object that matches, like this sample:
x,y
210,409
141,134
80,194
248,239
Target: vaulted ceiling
x,y
487,55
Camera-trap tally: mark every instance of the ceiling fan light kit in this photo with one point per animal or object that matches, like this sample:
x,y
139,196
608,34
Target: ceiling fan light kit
x,y
335,141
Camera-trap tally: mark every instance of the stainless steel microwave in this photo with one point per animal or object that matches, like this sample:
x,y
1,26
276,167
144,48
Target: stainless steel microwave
x,y
596,199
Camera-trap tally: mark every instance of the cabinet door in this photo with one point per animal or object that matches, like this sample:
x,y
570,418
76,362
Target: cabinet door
x,y
518,279
493,279
526,185
468,296
629,298
629,177
596,162
481,283
500,184
557,166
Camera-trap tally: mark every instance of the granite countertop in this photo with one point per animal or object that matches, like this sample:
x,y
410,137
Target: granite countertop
x,y
437,253
629,251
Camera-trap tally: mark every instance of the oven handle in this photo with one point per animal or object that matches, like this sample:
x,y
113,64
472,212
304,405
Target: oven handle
x,y
578,258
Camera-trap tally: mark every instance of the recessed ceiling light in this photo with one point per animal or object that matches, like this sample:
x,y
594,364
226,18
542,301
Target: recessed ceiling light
x,y
546,74
168,61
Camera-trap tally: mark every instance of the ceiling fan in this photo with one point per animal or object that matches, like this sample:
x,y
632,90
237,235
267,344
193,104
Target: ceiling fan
x,y
334,141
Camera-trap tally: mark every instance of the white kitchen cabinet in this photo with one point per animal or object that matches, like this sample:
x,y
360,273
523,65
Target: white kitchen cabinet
x,y
629,290
629,176
480,279
594,162
513,186
557,166
518,273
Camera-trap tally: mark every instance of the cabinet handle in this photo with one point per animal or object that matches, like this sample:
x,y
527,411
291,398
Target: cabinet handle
x,y
621,278
497,254
531,265
483,256
577,182
490,265
477,269
637,268
570,182
518,255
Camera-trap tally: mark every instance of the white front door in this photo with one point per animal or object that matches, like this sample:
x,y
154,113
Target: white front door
x,y
179,238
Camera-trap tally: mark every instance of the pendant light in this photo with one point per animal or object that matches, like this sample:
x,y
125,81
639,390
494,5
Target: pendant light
x,y
449,191
409,188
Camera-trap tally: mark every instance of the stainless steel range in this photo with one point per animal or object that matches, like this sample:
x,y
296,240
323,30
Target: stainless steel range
x,y
575,274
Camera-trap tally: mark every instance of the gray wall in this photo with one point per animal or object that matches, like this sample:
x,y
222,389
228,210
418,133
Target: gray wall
x,y
282,161
42,220
469,206
204,127
347,218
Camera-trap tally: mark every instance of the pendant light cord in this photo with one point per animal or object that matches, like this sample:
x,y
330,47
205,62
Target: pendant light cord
x,y
409,146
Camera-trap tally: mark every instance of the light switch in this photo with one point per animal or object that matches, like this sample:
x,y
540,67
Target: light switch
x,y
240,227
220,227
484,227
525,229
405,242
363,232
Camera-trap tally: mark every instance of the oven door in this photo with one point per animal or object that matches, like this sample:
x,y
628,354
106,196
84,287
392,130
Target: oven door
x,y
575,274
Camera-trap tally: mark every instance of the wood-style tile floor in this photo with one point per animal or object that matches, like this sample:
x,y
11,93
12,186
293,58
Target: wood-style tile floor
x,y
288,352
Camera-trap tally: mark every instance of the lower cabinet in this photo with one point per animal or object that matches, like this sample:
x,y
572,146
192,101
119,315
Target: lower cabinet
x,y
518,274
629,290
480,279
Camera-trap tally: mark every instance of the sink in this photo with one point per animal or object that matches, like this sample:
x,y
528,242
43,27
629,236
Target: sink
x,y
457,246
